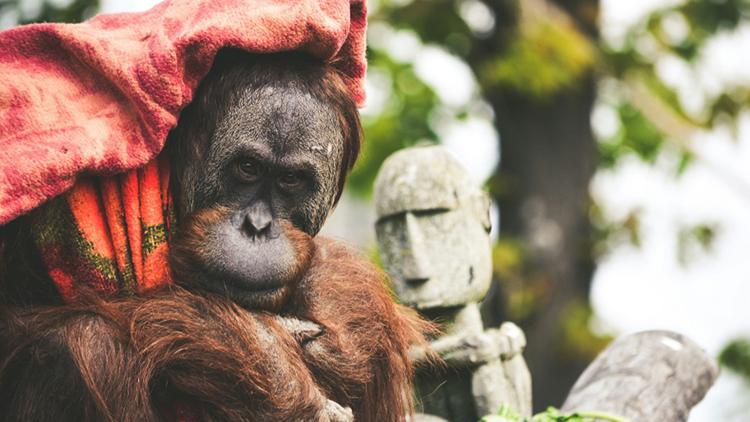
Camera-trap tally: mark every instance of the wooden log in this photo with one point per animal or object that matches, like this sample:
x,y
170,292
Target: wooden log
x,y
648,376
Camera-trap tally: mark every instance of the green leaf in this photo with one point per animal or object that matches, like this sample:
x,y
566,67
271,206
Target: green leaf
x,y
637,135
736,356
692,240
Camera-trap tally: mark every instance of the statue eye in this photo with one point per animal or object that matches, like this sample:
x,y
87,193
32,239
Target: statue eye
x,y
249,170
290,179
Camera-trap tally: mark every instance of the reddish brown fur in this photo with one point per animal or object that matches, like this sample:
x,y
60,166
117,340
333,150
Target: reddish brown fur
x,y
362,361
136,354
209,351
68,363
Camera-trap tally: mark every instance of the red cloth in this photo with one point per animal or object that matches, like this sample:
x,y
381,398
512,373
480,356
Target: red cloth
x,y
100,97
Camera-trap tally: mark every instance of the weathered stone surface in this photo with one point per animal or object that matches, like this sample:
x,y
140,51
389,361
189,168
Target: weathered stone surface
x,y
486,369
432,229
492,387
423,178
519,377
475,347
652,376
433,233
510,385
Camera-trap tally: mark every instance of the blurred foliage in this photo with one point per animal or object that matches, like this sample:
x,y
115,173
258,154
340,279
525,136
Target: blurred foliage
x,y
736,356
403,121
510,263
49,11
679,33
445,28
694,241
703,18
692,24
608,233
577,339
636,135
548,55
548,58
526,293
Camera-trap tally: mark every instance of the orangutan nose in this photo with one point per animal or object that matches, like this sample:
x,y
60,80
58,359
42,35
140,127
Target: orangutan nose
x,y
258,220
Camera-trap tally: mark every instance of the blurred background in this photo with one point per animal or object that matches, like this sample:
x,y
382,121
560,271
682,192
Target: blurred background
x,y
614,138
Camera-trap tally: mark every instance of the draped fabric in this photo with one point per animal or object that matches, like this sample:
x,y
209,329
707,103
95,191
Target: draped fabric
x,y
100,97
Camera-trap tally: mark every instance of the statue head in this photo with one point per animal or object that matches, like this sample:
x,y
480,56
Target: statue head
x,y
433,229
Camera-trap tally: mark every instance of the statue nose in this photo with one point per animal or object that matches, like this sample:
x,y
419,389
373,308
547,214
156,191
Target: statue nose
x,y
416,263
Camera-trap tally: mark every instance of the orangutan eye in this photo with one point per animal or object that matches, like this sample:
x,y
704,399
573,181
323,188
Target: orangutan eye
x,y
291,179
249,170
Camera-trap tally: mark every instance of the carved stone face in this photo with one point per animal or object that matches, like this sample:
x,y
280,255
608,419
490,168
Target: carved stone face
x,y
433,229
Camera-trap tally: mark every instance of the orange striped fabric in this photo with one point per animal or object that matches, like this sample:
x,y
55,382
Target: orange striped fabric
x,y
109,233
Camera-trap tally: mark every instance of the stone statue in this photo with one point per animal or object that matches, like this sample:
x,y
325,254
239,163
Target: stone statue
x,y
652,376
433,233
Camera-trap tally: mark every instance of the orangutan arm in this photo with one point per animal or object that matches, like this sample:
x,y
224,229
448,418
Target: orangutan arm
x,y
136,359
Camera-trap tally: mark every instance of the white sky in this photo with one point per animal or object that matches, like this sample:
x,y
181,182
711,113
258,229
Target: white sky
x,y
116,6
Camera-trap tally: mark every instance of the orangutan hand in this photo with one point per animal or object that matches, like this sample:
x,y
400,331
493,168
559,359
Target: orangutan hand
x,y
334,412
301,330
